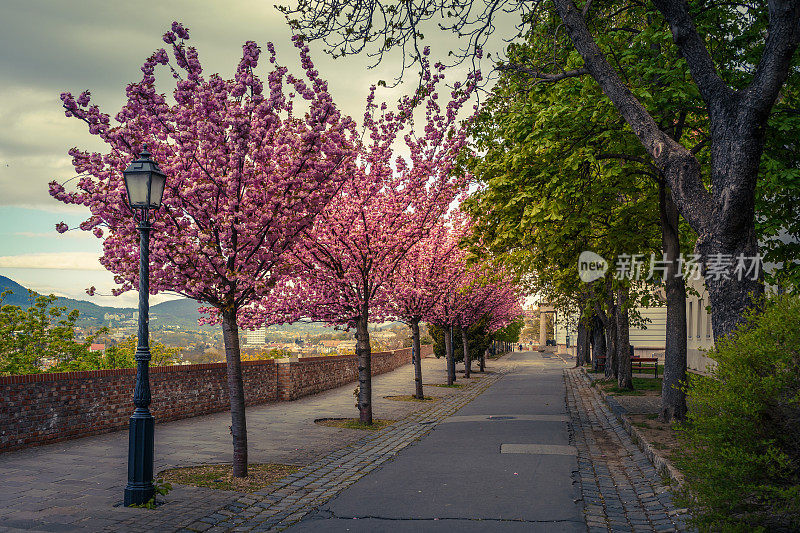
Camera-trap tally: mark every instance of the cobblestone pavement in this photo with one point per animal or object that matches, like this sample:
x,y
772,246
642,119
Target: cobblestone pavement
x,y
293,497
621,489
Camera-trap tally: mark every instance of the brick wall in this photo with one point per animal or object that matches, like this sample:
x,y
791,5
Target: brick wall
x,y
309,375
44,408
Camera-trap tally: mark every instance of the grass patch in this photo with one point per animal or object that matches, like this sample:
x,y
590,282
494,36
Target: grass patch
x,y
640,386
623,392
589,370
644,425
445,385
354,423
647,383
412,398
221,476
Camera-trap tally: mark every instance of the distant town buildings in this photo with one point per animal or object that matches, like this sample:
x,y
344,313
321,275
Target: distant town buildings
x,y
256,337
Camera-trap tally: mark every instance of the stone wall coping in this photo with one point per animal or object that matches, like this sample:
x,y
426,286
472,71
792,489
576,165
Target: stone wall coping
x,y
88,374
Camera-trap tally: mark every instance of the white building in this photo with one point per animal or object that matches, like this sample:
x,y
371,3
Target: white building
x,y
256,337
652,340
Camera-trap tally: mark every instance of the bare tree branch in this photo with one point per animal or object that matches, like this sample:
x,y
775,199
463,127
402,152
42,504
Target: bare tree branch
x,y
539,75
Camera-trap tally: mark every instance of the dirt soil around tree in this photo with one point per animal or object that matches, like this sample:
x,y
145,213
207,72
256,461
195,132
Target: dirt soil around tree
x,y
642,407
221,476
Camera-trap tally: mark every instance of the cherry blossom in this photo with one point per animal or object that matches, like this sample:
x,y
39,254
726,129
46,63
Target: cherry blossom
x,y
250,162
389,203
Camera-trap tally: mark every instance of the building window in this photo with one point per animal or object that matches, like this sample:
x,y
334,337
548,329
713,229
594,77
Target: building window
x,y
700,310
689,320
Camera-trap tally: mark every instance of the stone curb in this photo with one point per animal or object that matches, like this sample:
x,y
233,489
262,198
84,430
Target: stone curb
x,y
662,464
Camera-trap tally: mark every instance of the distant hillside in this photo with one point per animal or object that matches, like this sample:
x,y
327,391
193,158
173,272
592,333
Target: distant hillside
x,y
181,312
21,298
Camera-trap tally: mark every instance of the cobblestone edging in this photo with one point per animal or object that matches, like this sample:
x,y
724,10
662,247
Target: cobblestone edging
x,y
621,489
289,500
662,464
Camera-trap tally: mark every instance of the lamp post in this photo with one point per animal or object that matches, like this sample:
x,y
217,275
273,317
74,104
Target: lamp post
x,y
144,183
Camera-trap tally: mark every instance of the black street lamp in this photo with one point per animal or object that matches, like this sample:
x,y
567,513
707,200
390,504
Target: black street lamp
x,y
144,183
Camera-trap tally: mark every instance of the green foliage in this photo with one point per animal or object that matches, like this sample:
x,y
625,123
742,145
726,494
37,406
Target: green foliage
x,y
121,355
778,189
478,339
562,172
162,489
741,453
510,333
42,338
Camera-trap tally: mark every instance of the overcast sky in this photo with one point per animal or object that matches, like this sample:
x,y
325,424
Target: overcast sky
x,y
50,47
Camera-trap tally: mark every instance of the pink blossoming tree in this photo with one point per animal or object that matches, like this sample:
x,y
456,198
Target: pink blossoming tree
x,y
389,204
496,298
444,313
246,175
422,279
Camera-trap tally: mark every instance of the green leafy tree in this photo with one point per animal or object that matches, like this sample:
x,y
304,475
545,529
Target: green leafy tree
x,y
42,338
478,340
510,332
564,173
741,443
562,176
778,190
121,355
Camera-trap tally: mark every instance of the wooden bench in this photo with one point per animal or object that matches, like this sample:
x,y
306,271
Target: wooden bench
x,y
637,363
601,363
645,363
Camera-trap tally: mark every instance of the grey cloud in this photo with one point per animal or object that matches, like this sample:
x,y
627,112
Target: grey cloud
x,y
50,47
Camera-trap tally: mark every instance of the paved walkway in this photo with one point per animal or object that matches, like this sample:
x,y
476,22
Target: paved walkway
x,y
503,462
621,489
529,447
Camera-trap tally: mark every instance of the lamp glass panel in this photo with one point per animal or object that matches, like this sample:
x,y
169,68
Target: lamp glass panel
x,y
137,188
157,190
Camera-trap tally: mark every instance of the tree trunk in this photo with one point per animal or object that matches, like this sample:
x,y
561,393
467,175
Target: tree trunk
x,y
723,218
598,341
730,298
416,358
482,363
673,398
581,343
624,373
611,339
448,353
467,362
230,332
364,355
